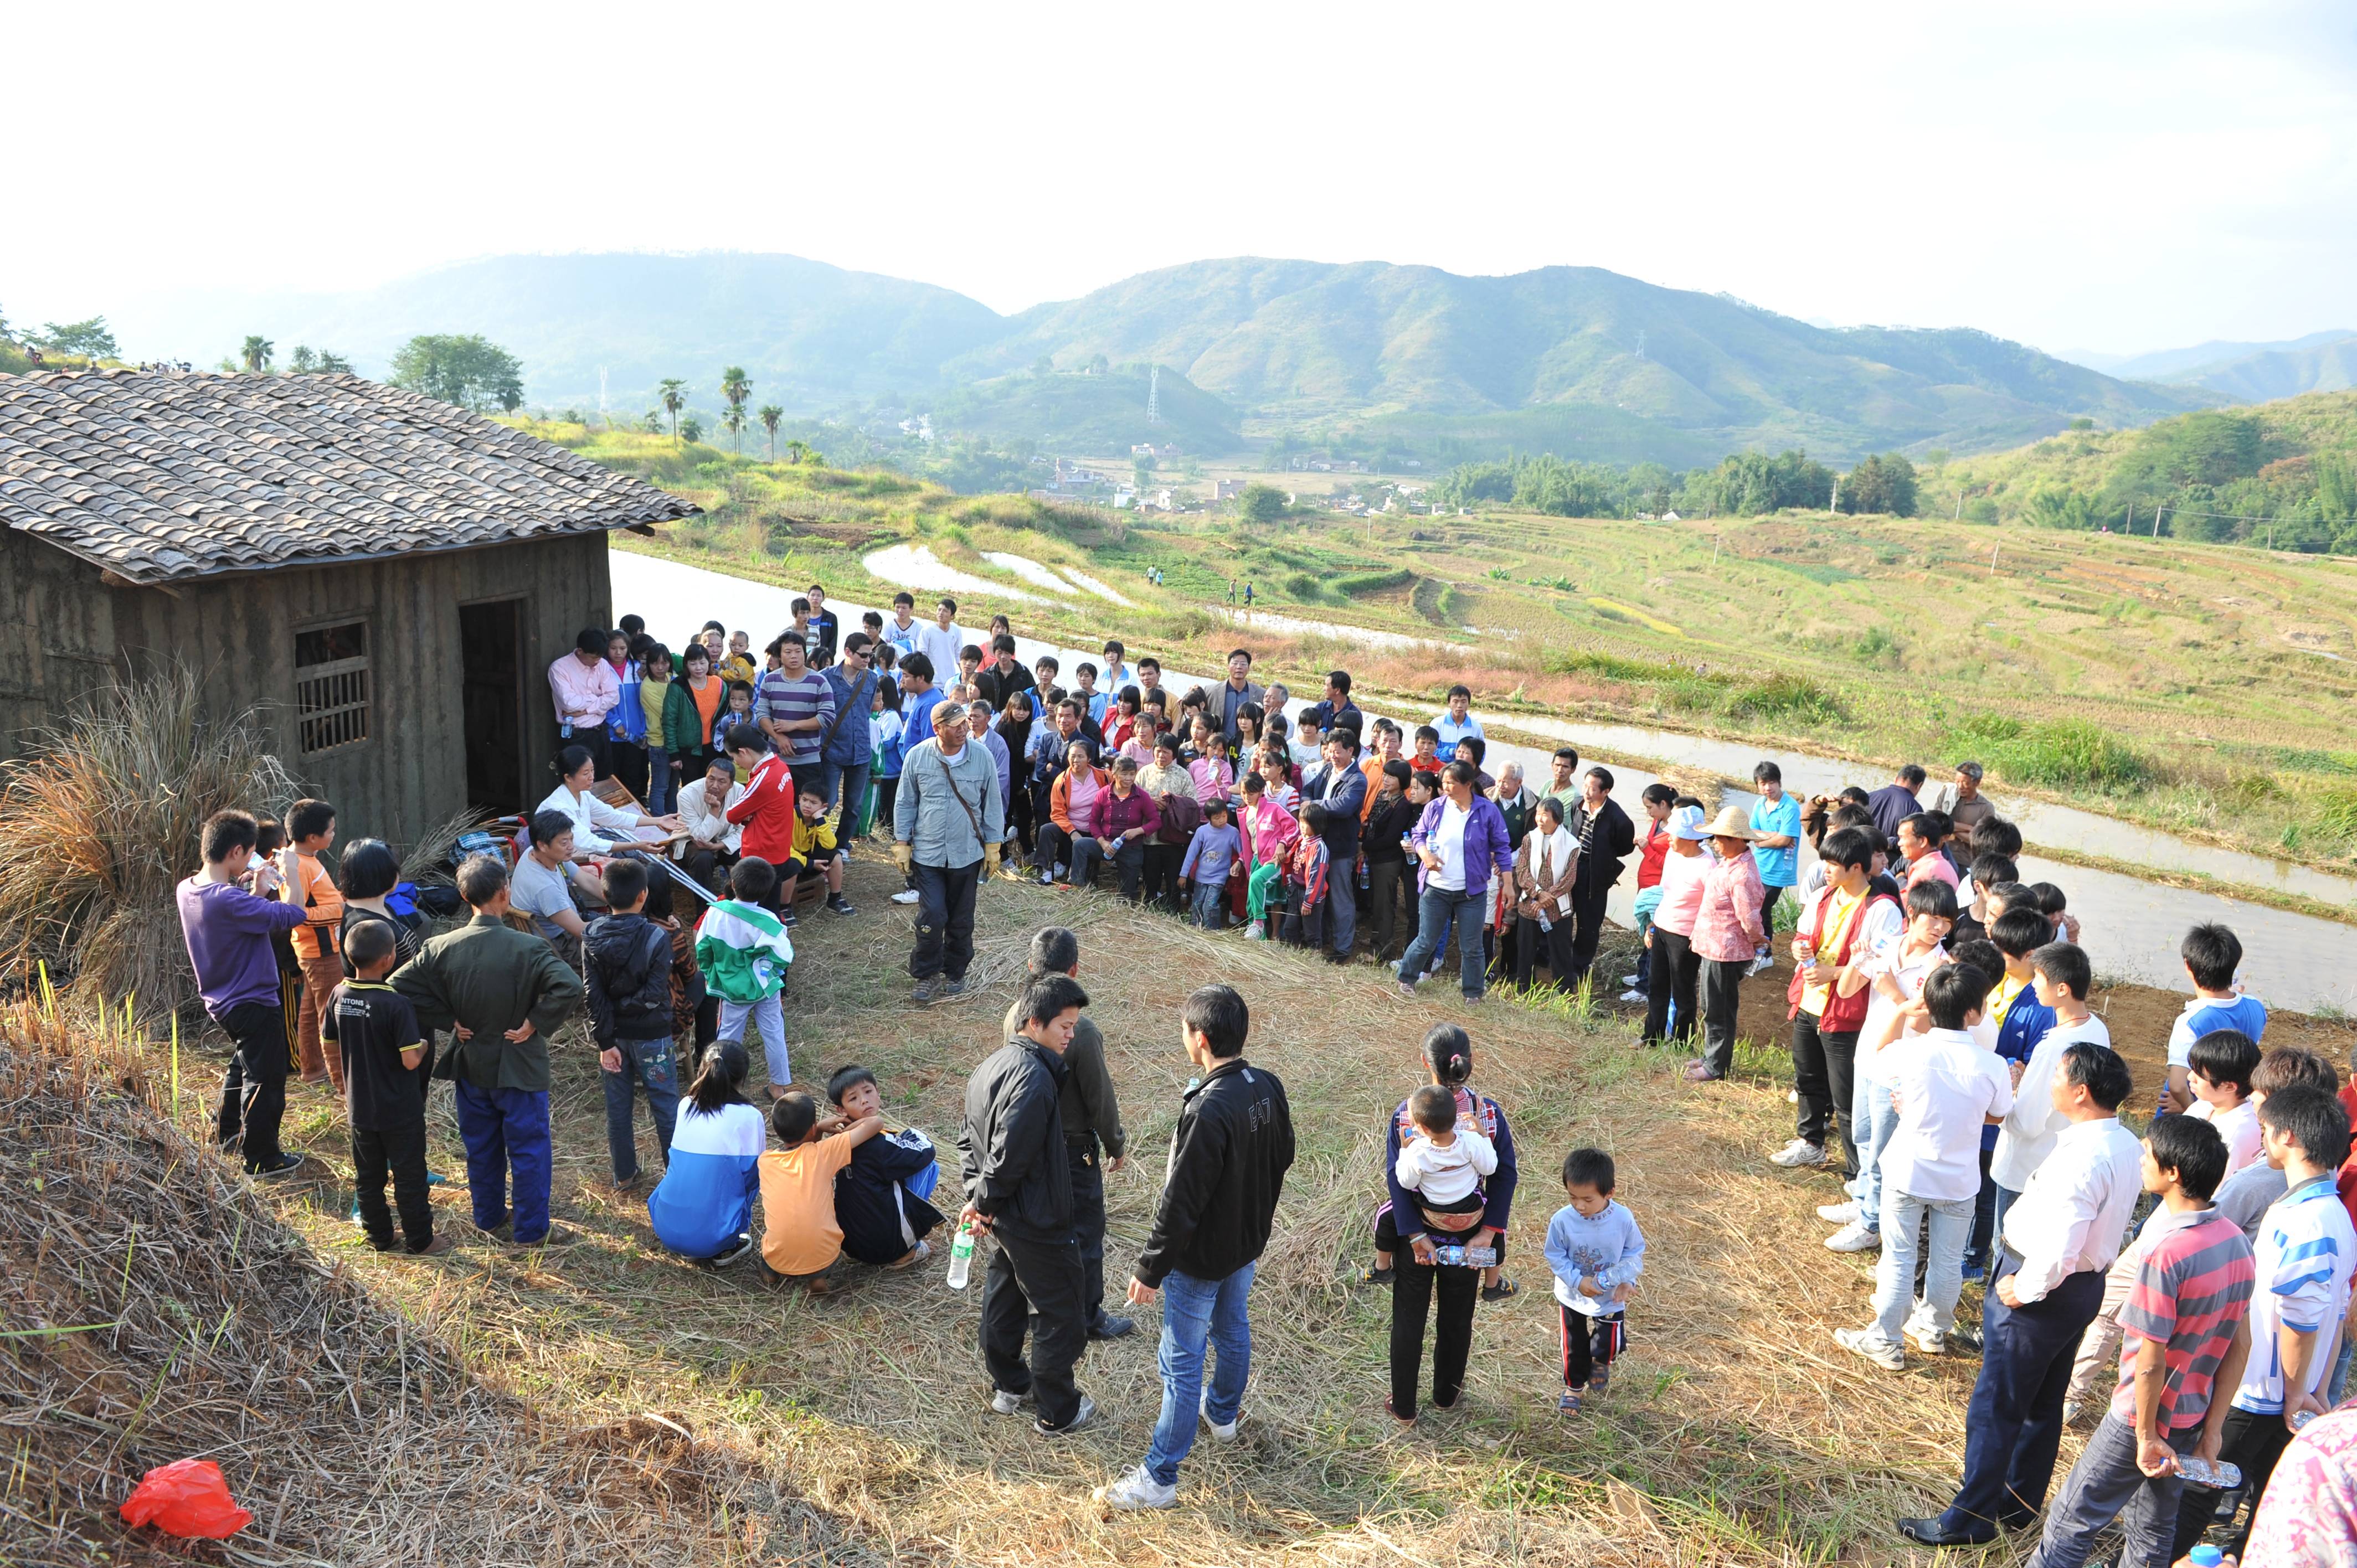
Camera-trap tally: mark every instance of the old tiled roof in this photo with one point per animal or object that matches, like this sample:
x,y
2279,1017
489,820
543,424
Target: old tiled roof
x,y
161,478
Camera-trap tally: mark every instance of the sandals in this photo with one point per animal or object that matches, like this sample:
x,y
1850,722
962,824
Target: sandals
x,y
1569,1404
1500,1291
1403,1419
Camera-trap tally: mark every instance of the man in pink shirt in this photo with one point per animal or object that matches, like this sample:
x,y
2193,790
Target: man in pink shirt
x,y
1917,837
585,690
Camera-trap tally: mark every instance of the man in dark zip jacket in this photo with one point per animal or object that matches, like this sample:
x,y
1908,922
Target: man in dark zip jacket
x,y
1018,1188
1228,1159
626,960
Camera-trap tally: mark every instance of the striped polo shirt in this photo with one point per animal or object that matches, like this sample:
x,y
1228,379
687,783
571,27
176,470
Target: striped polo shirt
x,y
2192,1290
2306,1249
790,699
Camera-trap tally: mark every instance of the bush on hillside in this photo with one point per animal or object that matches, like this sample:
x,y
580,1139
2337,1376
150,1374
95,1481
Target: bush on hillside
x,y
1787,699
2057,754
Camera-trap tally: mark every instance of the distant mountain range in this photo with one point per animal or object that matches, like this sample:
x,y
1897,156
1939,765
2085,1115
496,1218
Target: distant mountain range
x,y
1585,362
2244,372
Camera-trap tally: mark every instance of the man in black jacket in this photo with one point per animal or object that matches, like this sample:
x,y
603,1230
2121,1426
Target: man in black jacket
x,y
1020,1190
1343,787
1094,1144
1228,1159
1605,837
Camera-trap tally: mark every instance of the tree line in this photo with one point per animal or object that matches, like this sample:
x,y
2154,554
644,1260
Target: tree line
x,y
1747,484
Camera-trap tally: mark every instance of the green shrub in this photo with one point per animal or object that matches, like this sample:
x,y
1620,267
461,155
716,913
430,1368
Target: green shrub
x,y
2058,754
1303,586
1374,582
1613,666
1787,699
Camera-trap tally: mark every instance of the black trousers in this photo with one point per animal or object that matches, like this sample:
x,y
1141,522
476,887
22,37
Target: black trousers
x,y
2013,1428
1381,915
402,1151
1413,1289
1021,816
944,919
593,739
2253,1440
1675,978
1087,1161
1823,1063
1588,1344
1722,998
253,1089
630,761
1587,921
1055,847
1554,944
1162,863
1034,1286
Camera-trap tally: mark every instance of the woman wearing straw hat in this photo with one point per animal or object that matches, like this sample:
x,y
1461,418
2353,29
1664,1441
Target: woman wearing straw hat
x,y
1727,935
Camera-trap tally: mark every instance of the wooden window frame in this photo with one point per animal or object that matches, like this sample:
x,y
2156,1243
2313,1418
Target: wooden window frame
x,y
334,699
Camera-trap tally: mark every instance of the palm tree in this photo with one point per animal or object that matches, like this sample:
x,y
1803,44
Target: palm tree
x,y
769,415
257,353
795,450
734,386
732,420
673,397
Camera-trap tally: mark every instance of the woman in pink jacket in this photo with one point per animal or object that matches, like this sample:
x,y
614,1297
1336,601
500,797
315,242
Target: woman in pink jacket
x,y
1726,936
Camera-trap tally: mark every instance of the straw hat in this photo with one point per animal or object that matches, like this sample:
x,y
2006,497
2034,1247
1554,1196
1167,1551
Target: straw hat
x,y
1731,823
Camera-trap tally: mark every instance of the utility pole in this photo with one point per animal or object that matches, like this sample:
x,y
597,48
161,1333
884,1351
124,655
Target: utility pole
x,y
1993,550
1153,397
2155,523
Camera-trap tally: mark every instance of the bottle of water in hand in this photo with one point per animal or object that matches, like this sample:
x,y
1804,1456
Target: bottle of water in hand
x,y
961,1258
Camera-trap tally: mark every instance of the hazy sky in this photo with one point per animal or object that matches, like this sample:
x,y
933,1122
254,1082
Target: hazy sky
x,y
2116,177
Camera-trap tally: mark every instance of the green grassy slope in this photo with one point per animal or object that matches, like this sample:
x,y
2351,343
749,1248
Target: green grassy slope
x,y
1090,414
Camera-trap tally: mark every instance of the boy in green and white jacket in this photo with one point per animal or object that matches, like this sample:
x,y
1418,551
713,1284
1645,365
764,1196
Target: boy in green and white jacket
x,y
744,953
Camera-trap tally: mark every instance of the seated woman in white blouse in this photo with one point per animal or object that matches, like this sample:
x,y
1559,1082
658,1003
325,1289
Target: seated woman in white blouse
x,y
599,829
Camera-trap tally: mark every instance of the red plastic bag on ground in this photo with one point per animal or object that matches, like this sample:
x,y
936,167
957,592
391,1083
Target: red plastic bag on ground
x,y
185,1498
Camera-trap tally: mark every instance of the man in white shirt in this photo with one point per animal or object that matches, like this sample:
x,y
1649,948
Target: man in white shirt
x,y
2304,1252
2063,975
902,631
1948,1088
945,639
2059,1238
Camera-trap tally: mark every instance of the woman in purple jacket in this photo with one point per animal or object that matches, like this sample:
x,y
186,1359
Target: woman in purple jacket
x,y
1460,842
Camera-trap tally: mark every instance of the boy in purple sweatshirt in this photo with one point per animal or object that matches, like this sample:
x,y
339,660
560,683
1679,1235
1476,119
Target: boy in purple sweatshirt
x,y
229,931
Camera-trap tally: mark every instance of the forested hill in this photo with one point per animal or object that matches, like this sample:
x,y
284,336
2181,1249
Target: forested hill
x,y
1404,360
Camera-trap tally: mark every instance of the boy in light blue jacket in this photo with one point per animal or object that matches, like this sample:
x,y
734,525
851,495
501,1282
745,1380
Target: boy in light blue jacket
x,y
1597,1252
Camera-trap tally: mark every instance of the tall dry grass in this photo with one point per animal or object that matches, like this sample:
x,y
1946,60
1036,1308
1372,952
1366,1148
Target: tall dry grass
x,y
102,820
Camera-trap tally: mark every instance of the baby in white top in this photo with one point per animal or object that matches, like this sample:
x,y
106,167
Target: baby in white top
x,y
1445,1162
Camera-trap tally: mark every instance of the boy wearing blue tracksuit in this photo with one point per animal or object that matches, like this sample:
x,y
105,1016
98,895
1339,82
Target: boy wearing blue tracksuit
x,y
1210,856
1597,1252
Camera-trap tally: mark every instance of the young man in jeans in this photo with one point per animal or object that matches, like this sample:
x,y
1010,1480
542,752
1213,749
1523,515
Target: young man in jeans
x,y
228,930
1947,1087
1228,1159
2187,1332
1776,846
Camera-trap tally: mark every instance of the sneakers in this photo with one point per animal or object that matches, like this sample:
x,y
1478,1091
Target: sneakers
x,y
924,990
1406,990
287,1165
1224,1433
906,896
1108,1326
1630,981
910,1259
1257,931
1633,994
2072,1410
1854,1238
1698,1072
1873,1347
948,989
786,917
559,1236
1005,1404
1839,1213
836,904
1926,1339
737,1253
1138,1490
1799,1154
1081,1417
1761,964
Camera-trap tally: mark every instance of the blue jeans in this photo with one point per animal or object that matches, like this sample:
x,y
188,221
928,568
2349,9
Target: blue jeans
x,y
843,784
1872,1111
506,1129
1194,1311
660,795
1212,906
1903,1215
1436,909
648,1062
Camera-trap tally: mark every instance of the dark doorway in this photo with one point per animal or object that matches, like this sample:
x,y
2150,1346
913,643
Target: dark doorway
x,y
490,645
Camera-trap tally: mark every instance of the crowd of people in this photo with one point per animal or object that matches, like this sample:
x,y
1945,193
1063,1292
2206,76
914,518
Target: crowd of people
x,y
2190,1285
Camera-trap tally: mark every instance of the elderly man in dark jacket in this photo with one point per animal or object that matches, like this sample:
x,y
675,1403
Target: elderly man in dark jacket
x,y
1605,837
504,992
1095,1143
1228,1159
1339,783
1019,1189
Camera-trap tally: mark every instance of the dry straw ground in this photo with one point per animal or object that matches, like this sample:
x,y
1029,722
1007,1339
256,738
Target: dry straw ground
x,y
855,1428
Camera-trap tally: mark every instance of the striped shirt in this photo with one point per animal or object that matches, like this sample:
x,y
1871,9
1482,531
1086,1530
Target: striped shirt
x,y
2305,1251
2192,1290
790,699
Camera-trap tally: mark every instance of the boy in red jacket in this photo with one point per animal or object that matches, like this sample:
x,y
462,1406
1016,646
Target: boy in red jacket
x,y
767,812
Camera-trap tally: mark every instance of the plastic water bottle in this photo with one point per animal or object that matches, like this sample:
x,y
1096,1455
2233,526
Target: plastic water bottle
x,y
961,1258
2205,1557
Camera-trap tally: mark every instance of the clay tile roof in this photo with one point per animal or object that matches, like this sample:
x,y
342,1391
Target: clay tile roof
x,y
161,478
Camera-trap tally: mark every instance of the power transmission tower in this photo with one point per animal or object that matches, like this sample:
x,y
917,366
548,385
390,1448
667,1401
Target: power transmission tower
x,y
1153,397
1640,343
601,391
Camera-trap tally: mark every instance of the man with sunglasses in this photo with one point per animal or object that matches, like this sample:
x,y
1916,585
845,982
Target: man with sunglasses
x,y
847,748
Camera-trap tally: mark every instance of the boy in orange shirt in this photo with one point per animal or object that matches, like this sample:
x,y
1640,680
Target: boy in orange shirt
x,y
801,1241
310,829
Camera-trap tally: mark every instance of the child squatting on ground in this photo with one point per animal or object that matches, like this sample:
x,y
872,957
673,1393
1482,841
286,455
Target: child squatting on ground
x,y
1597,1252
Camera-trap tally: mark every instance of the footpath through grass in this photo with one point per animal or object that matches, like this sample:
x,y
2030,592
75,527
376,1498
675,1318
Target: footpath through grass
x,y
1735,1433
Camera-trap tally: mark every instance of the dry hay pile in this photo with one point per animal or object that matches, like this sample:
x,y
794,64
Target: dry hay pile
x,y
157,1310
